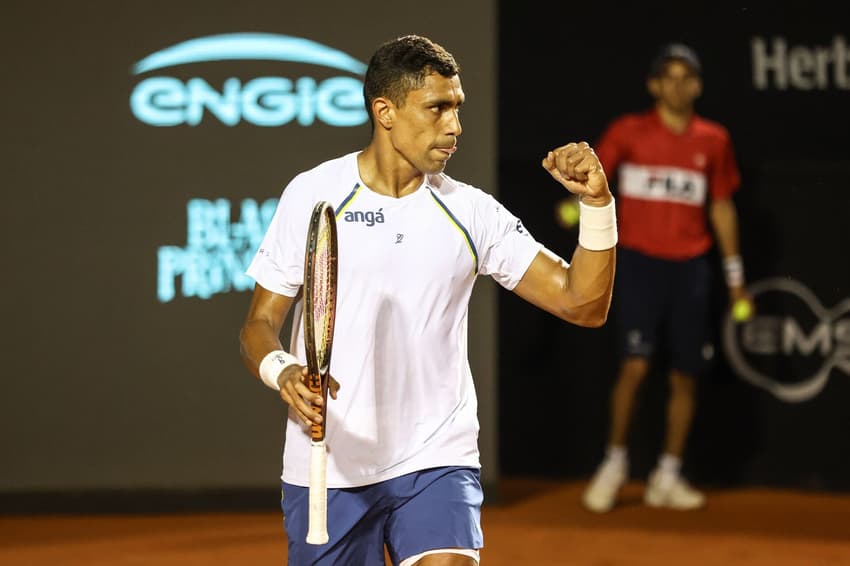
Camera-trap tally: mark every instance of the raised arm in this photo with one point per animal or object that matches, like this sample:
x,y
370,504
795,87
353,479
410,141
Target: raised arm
x,y
581,291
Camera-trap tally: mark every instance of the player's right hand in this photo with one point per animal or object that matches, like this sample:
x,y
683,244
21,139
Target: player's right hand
x,y
296,394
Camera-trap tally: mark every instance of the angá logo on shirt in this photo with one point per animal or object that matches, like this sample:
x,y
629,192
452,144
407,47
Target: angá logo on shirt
x,y
369,217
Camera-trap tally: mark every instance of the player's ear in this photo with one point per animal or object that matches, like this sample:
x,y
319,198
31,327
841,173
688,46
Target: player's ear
x,y
383,110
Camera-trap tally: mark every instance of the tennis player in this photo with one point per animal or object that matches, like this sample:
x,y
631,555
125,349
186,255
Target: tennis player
x,y
402,431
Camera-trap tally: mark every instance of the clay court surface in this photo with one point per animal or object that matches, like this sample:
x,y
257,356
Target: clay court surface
x,y
537,522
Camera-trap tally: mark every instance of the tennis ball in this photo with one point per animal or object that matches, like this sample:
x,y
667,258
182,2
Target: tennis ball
x,y
742,310
568,213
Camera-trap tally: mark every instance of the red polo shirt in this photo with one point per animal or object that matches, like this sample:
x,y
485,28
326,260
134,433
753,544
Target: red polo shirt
x,y
664,179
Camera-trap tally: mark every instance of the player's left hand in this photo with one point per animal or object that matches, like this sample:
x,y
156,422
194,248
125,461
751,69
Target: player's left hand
x,y
578,169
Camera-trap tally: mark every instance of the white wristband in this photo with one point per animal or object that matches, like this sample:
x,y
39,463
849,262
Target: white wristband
x,y
273,364
597,226
733,267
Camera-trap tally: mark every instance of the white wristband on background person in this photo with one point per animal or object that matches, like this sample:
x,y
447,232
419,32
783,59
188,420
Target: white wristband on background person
x,y
733,267
274,363
597,226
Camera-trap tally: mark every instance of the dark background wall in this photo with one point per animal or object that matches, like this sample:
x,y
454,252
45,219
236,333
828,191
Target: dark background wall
x,y
120,373
105,386
565,74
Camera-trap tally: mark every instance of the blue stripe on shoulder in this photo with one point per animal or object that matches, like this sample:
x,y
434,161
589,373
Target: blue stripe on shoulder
x,y
460,227
347,200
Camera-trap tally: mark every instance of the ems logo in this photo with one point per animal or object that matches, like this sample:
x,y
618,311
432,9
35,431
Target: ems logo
x,y
792,344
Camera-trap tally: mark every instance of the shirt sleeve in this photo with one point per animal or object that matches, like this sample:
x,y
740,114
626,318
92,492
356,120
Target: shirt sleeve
x,y
507,249
725,177
279,262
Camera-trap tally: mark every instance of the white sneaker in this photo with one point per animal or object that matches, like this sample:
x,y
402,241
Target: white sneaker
x,y
672,492
601,494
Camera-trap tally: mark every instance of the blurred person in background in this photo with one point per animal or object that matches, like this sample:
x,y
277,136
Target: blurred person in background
x,y
674,172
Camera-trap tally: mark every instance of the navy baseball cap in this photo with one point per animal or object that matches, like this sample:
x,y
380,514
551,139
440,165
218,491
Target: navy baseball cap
x,y
674,52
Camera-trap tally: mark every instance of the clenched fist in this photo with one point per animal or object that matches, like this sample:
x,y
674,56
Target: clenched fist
x,y
577,167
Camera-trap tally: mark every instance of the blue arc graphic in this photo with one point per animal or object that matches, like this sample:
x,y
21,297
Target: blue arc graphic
x,y
262,46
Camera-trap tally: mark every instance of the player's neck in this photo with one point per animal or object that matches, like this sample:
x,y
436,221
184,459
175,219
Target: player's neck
x,y
387,175
676,120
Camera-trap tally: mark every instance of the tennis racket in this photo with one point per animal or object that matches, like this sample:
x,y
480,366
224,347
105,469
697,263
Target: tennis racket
x,y
320,270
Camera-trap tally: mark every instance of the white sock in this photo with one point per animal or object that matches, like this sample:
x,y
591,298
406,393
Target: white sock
x,y
617,456
668,468
669,464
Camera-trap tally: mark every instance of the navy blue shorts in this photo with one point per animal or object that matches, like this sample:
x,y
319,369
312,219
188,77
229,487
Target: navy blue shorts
x,y
426,510
664,303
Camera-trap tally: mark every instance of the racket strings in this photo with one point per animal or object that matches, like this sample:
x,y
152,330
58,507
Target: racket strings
x,y
321,292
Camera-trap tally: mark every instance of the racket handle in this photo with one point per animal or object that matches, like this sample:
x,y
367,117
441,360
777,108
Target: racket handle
x,y
317,532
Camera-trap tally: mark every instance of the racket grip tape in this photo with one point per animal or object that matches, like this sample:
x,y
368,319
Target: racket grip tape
x,y
317,532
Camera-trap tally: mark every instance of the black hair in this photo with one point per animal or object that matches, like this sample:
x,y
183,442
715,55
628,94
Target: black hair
x,y
401,65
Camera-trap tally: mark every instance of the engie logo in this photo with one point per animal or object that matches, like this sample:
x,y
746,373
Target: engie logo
x,y
262,101
792,344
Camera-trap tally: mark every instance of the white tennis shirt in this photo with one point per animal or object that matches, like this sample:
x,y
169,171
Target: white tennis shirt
x,y
406,270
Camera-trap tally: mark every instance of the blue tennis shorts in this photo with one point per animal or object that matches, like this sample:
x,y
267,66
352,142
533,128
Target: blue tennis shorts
x,y
426,510
665,303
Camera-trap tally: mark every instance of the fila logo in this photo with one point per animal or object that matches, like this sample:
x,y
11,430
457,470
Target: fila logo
x,y
671,184
369,217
